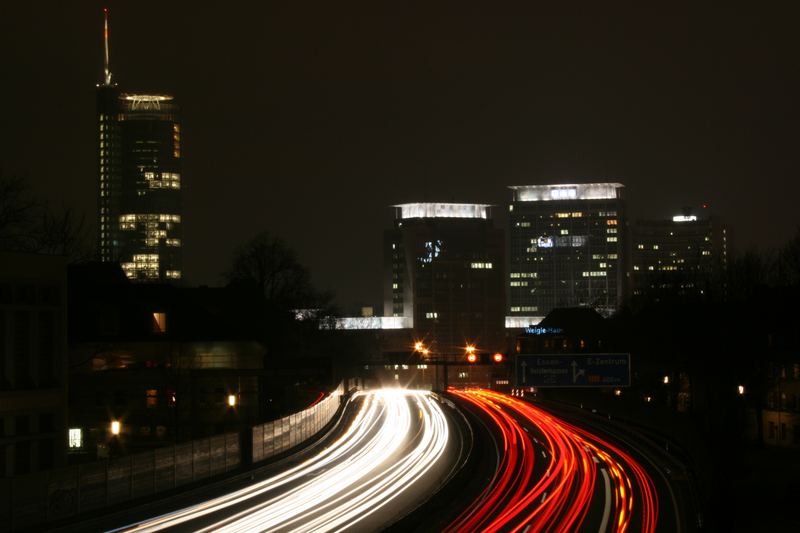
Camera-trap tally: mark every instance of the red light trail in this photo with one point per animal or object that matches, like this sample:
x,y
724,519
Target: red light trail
x,y
550,471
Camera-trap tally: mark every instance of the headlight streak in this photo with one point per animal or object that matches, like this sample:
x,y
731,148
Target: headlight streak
x,y
559,499
377,458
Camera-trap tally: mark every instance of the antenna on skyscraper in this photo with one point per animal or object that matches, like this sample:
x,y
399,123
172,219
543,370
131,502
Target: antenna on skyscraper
x,y
105,40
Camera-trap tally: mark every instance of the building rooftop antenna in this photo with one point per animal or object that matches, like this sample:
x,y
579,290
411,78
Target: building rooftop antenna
x,y
107,69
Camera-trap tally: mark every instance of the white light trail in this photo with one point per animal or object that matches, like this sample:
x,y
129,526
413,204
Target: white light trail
x,y
380,455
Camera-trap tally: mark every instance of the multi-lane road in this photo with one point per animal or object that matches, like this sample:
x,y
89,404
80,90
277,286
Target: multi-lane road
x,y
555,476
398,447
397,450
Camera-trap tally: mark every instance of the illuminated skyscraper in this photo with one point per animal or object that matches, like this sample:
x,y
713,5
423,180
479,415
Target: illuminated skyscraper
x,y
444,267
566,248
684,256
139,187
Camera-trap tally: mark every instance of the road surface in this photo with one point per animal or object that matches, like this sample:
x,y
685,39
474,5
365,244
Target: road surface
x,y
398,449
553,475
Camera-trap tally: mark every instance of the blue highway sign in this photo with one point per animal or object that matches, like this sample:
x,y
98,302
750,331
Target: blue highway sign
x,y
573,370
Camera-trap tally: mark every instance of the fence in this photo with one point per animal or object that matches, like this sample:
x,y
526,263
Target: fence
x,y
54,494
283,434
36,499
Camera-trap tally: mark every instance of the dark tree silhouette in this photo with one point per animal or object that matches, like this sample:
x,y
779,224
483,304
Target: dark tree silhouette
x,y
29,225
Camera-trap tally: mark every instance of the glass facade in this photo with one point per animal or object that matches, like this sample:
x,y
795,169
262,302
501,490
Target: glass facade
x,y
444,274
139,193
686,255
566,248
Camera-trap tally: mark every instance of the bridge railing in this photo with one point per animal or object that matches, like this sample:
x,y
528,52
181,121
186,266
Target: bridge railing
x,y
36,499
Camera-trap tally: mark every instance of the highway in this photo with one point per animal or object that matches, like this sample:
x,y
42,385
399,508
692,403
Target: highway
x,y
396,451
553,475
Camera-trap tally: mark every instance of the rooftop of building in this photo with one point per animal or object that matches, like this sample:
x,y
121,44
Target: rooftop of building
x,y
441,210
566,191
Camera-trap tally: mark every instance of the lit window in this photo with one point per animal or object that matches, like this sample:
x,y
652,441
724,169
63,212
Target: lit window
x,y
75,438
432,315
655,247
159,322
151,398
640,246
611,239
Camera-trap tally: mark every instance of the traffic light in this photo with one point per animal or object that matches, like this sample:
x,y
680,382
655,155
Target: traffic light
x,y
472,357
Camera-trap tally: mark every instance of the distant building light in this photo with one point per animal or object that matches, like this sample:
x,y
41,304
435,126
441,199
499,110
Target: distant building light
x,y
442,210
115,427
570,191
648,399
75,438
740,388
684,218
231,400
372,322
521,322
666,380
159,322
617,392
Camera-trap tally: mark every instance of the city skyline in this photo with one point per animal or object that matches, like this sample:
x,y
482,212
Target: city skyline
x,y
389,109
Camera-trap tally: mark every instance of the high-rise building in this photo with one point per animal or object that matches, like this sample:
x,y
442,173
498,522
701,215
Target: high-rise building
x,y
566,249
684,256
139,187
444,267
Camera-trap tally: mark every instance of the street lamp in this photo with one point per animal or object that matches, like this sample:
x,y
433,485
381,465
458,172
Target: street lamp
x,y
231,400
115,427
498,357
419,347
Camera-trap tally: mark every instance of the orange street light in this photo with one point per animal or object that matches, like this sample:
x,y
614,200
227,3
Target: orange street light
x,y
418,346
471,357
498,357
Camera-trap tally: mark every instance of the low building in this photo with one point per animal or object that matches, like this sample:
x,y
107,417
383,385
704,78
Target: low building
x,y
33,362
151,365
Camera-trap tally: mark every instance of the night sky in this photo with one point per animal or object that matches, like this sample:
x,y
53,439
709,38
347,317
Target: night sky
x,y
309,119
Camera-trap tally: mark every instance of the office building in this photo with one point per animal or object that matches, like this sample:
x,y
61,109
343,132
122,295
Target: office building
x,y
683,256
566,249
139,181
444,265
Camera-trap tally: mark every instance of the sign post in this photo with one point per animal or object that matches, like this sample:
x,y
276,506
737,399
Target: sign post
x,y
573,370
